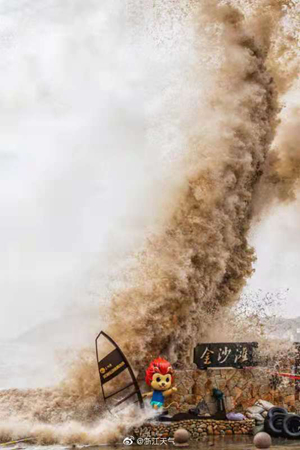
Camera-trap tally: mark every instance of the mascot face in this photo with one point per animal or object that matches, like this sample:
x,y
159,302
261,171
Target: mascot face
x,y
161,382
159,375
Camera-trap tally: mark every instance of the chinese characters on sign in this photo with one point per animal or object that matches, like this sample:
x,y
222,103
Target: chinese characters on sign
x,y
232,354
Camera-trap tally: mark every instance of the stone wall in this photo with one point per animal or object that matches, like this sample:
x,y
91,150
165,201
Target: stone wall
x,y
196,428
242,388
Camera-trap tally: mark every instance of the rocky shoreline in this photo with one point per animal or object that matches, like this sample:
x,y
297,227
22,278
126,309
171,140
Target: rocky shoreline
x,y
196,428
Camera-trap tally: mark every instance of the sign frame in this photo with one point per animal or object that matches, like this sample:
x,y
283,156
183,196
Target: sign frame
x,y
112,365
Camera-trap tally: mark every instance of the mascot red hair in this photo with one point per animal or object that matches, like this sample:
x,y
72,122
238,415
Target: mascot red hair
x,y
160,376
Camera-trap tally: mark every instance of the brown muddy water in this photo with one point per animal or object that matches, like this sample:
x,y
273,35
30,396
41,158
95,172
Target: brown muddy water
x,y
220,443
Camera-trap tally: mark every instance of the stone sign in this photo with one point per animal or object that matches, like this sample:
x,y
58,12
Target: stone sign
x,y
230,354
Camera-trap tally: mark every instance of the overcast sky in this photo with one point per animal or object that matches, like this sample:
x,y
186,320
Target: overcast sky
x,y
277,243
86,122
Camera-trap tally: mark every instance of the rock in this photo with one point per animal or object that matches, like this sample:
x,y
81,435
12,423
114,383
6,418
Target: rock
x,y
237,392
262,440
189,399
264,389
266,405
181,437
210,430
230,403
256,409
257,417
228,432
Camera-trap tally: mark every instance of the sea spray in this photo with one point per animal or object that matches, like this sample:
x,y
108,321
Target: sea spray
x,y
202,259
106,429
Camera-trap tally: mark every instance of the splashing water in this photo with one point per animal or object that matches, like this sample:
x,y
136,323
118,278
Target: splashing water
x,y
237,153
106,429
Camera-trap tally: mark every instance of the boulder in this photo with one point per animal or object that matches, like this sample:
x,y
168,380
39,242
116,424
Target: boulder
x,y
256,409
181,437
257,417
262,440
264,404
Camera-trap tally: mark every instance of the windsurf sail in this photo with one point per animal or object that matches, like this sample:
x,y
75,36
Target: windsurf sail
x,y
110,367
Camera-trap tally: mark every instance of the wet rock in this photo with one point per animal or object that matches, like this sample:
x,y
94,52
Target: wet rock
x,y
181,437
210,430
262,440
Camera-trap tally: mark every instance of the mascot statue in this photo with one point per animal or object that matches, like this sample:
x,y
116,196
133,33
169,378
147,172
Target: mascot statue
x,y
160,377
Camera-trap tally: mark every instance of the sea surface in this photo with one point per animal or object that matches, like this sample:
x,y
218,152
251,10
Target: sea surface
x,y
226,443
